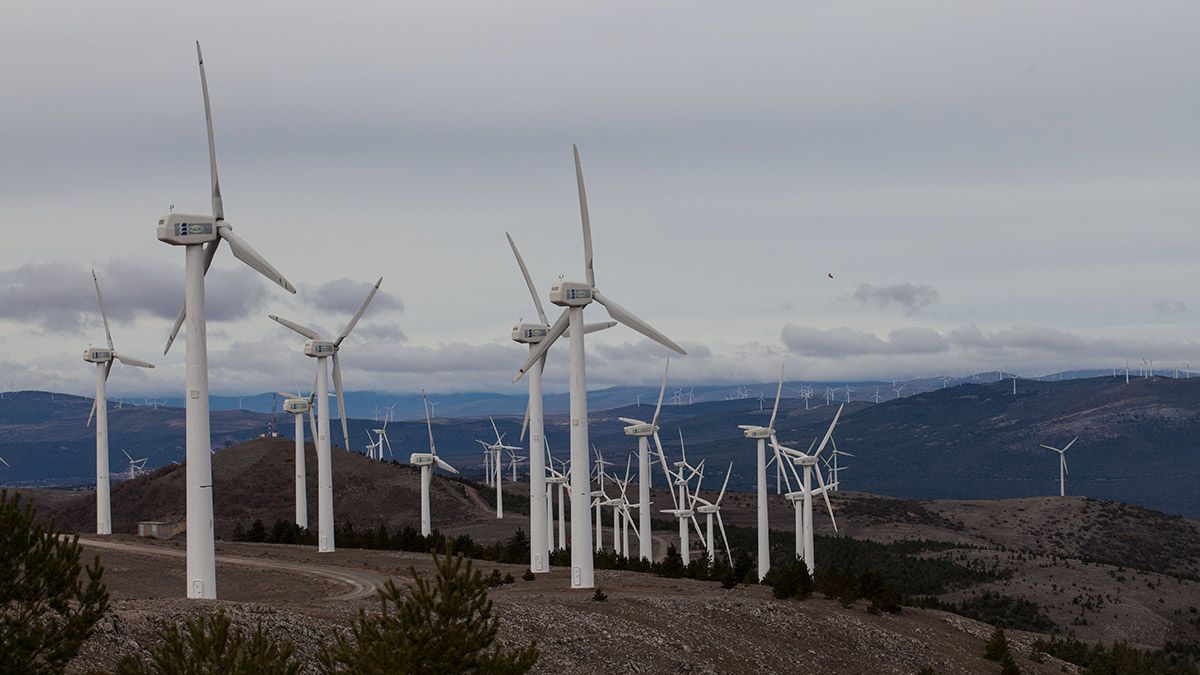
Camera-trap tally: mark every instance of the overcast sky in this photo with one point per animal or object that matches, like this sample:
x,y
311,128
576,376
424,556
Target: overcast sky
x,y
991,185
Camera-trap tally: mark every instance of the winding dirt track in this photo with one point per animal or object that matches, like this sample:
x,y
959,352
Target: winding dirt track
x,y
362,584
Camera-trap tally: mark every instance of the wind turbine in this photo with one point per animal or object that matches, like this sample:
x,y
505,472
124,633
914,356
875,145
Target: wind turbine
x,y
683,511
835,469
496,467
643,432
381,438
532,334
896,388
104,358
201,236
806,393
137,467
428,460
297,405
1062,465
762,435
574,296
598,495
709,509
876,397
808,460
322,349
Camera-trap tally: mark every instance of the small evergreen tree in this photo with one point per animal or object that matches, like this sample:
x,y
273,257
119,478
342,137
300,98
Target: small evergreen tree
x,y
443,626
672,564
46,609
997,645
212,644
1008,666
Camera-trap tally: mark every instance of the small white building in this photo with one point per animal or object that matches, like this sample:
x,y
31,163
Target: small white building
x,y
156,529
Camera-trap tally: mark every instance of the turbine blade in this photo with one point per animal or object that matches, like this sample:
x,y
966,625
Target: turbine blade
x,y
244,252
91,414
825,496
1070,444
130,361
210,252
726,483
542,347
443,465
662,460
778,392
217,207
597,326
495,430
358,315
103,314
829,432
537,301
341,399
1063,458
312,422
524,422
303,330
626,317
428,423
721,524
661,391
587,223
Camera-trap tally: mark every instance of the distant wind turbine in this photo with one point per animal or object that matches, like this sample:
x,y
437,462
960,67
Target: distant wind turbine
x,y
1062,465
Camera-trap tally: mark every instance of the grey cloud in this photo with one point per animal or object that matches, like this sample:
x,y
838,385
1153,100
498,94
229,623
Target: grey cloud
x,y
1168,308
390,332
345,295
906,295
59,295
1016,344
845,342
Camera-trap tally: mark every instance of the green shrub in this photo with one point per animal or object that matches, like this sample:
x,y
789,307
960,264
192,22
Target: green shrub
x,y
443,626
46,609
599,595
212,644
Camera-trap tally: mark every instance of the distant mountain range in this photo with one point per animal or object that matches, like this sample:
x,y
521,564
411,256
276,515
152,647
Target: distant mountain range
x,y
374,405
967,441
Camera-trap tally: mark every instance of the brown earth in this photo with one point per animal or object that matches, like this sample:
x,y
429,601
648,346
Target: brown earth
x,y
1101,570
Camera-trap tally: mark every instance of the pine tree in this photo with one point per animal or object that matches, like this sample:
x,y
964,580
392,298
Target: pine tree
x,y
440,626
46,609
997,645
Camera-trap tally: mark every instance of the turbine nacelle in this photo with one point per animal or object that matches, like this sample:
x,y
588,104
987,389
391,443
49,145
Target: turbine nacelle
x,y
182,229
98,355
420,459
757,432
320,348
529,333
296,406
639,428
571,294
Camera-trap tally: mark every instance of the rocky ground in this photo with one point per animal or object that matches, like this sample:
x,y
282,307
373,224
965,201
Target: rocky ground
x,y
647,624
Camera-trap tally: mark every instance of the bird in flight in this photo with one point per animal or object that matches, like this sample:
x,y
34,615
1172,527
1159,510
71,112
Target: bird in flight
x,y
831,275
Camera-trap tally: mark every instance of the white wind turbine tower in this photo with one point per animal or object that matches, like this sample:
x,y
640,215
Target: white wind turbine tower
x,y
427,461
103,358
322,349
806,393
762,435
532,334
848,390
297,405
1062,465
643,432
808,460
896,388
709,509
201,236
574,296
876,397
